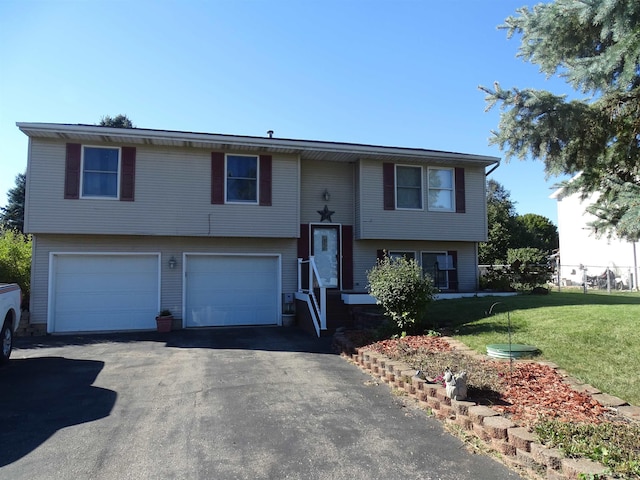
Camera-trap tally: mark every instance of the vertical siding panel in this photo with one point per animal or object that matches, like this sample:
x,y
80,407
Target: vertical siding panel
x,y
337,178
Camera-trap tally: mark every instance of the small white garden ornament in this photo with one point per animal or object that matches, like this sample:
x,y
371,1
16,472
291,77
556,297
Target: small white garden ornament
x,y
456,385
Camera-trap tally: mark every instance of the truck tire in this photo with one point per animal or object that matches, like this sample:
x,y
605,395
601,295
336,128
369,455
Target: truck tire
x,y
6,337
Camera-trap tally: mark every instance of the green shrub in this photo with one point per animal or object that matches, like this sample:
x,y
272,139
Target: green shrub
x,y
402,290
15,260
614,445
529,267
497,278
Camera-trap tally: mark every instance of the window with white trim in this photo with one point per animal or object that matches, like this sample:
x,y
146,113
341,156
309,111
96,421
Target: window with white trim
x,y
242,178
437,265
100,172
408,187
441,190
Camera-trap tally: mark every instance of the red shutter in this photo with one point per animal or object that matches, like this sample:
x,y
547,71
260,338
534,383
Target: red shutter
x,y
72,171
217,178
389,185
303,253
347,257
303,242
128,174
460,194
265,180
453,274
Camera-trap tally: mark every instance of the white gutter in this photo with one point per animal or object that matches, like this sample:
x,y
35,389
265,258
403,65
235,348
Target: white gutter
x,y
246,141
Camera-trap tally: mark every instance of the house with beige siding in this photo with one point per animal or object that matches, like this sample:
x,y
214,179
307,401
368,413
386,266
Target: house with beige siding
x,y
228,230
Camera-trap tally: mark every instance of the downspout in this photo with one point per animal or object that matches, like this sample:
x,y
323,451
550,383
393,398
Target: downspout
x,y
476,244
492,169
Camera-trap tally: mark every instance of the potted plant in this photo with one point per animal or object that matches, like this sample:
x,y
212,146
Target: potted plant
x,y
164,321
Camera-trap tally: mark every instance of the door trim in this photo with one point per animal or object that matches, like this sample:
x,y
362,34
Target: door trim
x,y
338,228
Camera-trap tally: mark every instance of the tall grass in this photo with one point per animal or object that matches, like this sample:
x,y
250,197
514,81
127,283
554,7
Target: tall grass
x,y
595,337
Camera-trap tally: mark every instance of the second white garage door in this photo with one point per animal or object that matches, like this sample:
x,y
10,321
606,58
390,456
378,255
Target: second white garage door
x,y
232,290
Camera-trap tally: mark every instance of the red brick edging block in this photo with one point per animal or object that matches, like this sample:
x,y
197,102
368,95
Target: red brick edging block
x,y
519,447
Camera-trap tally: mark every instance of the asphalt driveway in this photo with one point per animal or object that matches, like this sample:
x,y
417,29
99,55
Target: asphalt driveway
x,y
253,403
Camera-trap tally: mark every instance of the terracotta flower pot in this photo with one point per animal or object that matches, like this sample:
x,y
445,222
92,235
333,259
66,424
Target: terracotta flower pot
x,y
164,323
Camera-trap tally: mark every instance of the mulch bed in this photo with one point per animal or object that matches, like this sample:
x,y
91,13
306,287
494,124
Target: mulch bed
x,y
536,391
528,391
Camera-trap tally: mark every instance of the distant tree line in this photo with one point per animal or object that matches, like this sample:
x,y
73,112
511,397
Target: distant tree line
x,y
508,231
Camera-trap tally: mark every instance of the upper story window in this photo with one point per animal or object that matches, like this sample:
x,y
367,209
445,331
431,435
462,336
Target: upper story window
x,y
441,189
242,178
408,187
100,172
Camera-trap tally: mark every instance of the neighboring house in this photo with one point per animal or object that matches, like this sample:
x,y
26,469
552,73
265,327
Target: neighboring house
x,y
583,254
128,221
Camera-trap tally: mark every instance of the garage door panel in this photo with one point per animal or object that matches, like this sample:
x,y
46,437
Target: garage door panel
x,y
106,301
232,290
83,282
119,321
105,292
129,264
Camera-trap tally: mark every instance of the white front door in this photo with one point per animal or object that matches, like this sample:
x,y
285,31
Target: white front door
x,y
325,248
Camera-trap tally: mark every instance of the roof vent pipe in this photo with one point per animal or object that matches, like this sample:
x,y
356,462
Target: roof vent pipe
x,y
270,133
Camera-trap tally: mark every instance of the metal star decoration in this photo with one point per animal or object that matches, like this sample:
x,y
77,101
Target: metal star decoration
x,y
325,214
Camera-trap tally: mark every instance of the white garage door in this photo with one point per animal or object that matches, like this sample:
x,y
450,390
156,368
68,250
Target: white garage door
x,y
232,290
104,292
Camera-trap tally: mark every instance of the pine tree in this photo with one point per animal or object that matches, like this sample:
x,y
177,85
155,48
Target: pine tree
x,y
595,46
119,121
12,216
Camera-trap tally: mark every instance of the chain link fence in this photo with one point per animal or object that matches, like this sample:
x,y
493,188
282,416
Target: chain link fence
x,y
601,277
588,277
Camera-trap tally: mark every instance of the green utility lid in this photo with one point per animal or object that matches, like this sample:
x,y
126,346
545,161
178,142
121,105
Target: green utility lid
x,y
516,350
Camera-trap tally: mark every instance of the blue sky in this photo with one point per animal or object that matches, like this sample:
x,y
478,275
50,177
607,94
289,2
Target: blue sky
x,y
398,73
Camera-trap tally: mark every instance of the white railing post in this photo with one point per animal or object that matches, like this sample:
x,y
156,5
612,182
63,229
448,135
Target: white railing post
x,y
312,267
323,308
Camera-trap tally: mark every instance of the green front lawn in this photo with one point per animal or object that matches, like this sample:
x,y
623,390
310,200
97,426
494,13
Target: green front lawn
x,y
594,337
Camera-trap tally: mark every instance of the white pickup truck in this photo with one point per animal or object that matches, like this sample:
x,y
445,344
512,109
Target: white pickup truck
x,y
10,299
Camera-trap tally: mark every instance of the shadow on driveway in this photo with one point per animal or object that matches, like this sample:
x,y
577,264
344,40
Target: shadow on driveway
x,y
40,396
285,339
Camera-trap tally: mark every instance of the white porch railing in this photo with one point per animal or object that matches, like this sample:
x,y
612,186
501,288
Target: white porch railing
x,y
318,311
